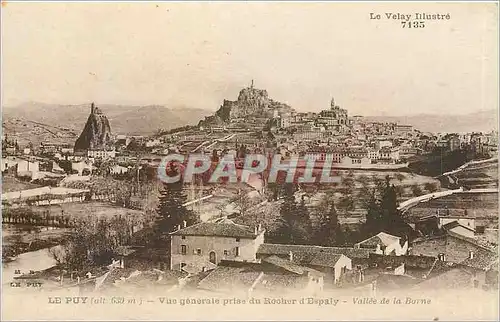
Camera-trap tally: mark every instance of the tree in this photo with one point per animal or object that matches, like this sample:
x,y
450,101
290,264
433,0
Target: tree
x,y
275,190
431,187
389,204
243,202
171,209
400,177
399,191
383,214
294,220
329,232
123,195
347,200
373,223
221,207
304,219
91,243
363,179
348,182
416,190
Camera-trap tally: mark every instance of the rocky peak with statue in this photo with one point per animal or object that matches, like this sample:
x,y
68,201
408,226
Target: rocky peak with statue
x,y
251,102
96,133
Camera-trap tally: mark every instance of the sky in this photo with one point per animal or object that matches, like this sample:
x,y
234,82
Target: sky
x,y
198,54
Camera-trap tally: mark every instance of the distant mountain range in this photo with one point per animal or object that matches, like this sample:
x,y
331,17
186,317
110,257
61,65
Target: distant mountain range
x,y
481,121
35,121
139,120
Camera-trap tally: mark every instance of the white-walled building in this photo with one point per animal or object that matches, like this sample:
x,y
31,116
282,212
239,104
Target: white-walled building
x,y
101,154
384,244
382,143
464,221
200,246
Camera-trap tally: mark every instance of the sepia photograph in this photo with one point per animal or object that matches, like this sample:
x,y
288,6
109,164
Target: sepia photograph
x,y
260,160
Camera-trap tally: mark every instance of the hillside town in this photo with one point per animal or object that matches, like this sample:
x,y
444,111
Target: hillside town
x,y
412,209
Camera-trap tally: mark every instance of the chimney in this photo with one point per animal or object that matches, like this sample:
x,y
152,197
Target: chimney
x,y
441,257
255,230
178,227
184,223
471,254
259,228
290,256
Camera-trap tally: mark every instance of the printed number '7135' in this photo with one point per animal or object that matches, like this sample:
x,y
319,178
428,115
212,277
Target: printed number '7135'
x,y
412,24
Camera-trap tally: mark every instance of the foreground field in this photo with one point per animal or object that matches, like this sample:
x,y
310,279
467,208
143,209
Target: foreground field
x,y
17,239
84,209
10,183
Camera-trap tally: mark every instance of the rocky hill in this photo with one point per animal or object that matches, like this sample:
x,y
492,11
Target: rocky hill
x,y
26,131
251,102
97,132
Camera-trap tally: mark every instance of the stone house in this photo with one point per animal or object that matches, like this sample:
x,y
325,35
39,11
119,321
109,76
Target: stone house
x,y
201,246
334,262
273,275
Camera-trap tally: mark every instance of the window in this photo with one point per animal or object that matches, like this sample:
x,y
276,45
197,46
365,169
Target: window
x,y
226,253
237,251
183,249
183,265
198,251
183,237
237,239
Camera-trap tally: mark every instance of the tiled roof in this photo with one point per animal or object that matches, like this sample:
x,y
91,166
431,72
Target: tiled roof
x,y
197,264
280,283
470,241
481,260
453,278
285,264
483,257
306,253
290,266
325,259
226,278
423,262
393,281
223,229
